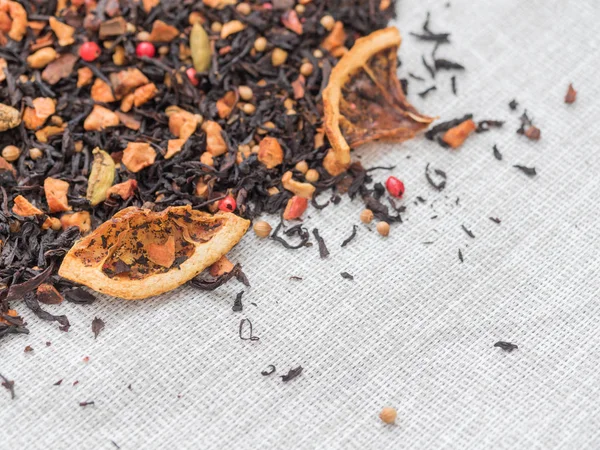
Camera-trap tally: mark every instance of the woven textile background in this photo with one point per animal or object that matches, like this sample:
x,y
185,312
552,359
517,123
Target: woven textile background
x,y
416,328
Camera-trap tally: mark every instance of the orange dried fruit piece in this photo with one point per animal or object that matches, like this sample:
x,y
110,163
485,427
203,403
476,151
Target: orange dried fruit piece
x,y
455,136
35,117
23,207
56,194
122,257
363,100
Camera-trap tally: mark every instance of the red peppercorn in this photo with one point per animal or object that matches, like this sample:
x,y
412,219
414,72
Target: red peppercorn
x,y
191,73
89,51
227,204
395,187
145,49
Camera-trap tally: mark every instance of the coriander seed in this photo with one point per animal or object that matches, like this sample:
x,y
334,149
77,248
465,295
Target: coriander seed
x,y
327,22
306,69
35,153
243,8
245,93
249,108
366,216
388,414
383,228
278,57
318,54
260,44
312,176
216,27
262,229
300,9
302,166
143,36
11,153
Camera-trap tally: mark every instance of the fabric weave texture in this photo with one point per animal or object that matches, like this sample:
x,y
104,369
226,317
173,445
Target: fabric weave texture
x,y
416,328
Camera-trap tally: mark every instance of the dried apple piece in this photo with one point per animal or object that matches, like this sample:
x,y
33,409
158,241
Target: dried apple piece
x,y
364,101
140,253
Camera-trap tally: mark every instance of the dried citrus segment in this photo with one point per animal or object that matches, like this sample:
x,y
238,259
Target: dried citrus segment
x,y
140,253
364,101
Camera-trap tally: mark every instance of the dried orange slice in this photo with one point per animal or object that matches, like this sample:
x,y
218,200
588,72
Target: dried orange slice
x,y
363,100
140,253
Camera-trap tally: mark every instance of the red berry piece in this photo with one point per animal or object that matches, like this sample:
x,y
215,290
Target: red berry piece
x,y
227,204
89,51
395,187
191,73
145,49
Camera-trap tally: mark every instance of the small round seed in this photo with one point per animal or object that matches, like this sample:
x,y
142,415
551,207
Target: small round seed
x,y
388,414
327,22
216,27
278,57
366,216
260,44
245,93
318,54
244,9
163,50
35,153
302,166
300,9
312,176
11,153
249,108
383,228
143,36
195,17
306,69
288,103
262,229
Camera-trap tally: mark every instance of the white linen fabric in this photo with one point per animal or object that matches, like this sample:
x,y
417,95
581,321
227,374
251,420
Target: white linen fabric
x,y
416,328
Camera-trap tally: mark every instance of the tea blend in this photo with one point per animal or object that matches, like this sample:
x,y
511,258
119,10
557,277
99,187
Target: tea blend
x,y
155,104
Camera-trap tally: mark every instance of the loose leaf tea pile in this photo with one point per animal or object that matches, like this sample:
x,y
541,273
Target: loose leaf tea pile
x,y
111,104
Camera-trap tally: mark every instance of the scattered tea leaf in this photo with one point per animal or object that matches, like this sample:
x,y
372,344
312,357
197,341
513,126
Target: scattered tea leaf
x,y
529,171
507,346
237,304
351,237
497,153
347,276
270,370
97,326
250,336
469,232
424,93
323,252
293,373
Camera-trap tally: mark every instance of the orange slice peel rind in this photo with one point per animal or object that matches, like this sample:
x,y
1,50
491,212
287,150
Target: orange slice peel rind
x,y
139,253
364,101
